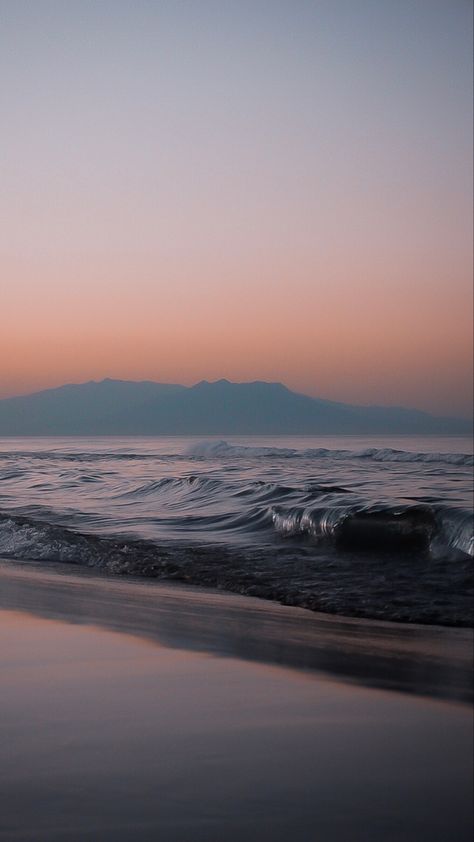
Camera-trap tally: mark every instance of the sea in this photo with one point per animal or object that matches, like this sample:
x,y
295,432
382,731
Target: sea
x,y
356,526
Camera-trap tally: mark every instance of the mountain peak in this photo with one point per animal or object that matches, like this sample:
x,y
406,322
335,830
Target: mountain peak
x,y
223,381
205,383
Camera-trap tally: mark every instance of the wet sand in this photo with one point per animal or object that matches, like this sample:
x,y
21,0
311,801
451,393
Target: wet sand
x,y
135,711
427,660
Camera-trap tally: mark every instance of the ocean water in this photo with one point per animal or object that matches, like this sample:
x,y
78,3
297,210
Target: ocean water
x,y
350,525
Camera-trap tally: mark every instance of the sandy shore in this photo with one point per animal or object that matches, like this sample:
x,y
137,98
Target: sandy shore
x,y
137,711
427,660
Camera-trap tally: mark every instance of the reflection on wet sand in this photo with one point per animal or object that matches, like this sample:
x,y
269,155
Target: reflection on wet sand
x,y
109,737
426,660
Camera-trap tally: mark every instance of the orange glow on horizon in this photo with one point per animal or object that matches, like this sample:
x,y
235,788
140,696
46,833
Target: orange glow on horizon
x,y
356,343
173,212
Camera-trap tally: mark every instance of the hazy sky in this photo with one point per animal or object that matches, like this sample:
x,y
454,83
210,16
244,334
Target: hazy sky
x,y
251,189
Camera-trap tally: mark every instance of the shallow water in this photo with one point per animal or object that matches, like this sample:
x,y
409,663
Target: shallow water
x,y
362,526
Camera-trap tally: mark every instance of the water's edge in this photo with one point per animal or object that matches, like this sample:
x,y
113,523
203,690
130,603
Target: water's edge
x,y
425,660
355,528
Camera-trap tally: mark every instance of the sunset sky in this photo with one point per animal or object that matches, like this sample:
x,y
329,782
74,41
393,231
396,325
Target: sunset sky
x,y
250,189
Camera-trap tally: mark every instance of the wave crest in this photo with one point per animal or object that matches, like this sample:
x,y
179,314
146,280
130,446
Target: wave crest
x,y
411,587
223,450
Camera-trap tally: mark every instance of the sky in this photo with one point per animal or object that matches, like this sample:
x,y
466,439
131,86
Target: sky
x,y
249,189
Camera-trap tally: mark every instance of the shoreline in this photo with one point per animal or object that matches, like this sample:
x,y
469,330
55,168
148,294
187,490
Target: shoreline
x,y
426,660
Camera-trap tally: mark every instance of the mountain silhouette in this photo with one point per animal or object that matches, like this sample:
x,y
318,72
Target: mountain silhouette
x,y
120,407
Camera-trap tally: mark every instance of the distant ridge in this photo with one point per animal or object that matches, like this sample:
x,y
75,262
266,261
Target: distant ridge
x,y
121,407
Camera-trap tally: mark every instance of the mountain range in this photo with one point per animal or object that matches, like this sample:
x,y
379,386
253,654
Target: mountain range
x,y
120,407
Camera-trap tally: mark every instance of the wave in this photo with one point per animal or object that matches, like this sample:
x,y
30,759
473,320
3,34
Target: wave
x,y
326,519
189,485
84,456
384,586
221,449
382,529
327,528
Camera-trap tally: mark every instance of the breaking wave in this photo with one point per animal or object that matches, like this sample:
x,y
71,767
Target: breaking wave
x,y
223,450
355,527
368,531
409,587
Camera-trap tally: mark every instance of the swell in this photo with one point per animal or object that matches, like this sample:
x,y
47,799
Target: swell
x,y
190,486
84,456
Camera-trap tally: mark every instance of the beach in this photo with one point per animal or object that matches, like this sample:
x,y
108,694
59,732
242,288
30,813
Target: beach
x,y
138,710
236,421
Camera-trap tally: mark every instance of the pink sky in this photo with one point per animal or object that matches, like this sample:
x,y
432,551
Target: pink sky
x,y
192,195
